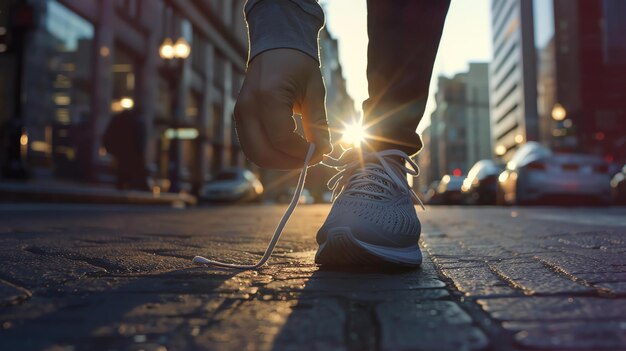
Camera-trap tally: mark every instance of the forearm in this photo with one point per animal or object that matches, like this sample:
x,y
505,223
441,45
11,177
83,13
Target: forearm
x,y
292,24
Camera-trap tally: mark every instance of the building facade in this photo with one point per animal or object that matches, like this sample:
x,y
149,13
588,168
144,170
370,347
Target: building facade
x,y
479,145
513,86
581,55
339,104
87,60
459,132
453,143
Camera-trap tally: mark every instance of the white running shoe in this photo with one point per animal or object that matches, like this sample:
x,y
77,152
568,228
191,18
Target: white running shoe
x,y
373,220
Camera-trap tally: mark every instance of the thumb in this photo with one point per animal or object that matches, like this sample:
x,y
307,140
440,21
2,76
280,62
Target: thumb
x,y
314,117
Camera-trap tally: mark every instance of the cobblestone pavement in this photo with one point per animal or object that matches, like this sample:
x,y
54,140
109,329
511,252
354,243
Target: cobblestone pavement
x,y
117,278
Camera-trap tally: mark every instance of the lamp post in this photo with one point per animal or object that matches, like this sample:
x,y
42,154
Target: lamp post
x,y
173,55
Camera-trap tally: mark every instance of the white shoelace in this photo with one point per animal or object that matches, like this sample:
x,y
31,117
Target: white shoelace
x,y
337,183
358,172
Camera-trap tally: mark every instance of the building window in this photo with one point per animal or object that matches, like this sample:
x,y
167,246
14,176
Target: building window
x,y
217,137
124,68
219,64
198,53
193,108
129,7
614,45
164,105
57,81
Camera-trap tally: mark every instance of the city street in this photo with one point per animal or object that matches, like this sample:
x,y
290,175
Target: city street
x,y
105,277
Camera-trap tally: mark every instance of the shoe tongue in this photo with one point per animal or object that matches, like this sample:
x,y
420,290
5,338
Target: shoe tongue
x,y
376,184
375,175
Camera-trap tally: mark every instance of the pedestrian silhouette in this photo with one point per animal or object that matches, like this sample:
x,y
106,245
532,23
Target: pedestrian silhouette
x,y
125,139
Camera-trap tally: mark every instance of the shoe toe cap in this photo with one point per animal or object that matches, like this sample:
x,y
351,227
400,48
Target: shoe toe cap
x,y
378,224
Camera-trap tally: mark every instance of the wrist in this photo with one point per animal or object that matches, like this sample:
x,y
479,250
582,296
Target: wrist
x,y
274,24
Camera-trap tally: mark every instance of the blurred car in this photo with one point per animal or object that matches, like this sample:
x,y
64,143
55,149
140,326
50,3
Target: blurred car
x,y
430,194
618,187
305,197
232,184
481,183
535,174
327,197
448,191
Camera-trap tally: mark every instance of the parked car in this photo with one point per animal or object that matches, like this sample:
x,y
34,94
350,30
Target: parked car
x,y
448,191
429,196
327,197
618,187
305,197
481,183
232,184
535,174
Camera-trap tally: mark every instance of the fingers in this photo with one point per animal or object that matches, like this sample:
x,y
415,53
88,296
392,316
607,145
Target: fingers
x,y
278,81
276,102
254,141
314,117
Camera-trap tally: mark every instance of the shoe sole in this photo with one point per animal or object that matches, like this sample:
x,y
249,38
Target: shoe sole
x,y
343,249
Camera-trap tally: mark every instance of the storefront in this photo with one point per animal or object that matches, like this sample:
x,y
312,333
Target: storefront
x,y
88,60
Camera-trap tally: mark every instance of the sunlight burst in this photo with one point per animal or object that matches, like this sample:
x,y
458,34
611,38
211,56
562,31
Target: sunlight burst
x,y
354,134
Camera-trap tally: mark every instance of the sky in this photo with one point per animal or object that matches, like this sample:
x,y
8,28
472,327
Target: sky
x,y
466,38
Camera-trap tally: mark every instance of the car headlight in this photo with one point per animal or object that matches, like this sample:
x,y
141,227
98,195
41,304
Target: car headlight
x,y
503,177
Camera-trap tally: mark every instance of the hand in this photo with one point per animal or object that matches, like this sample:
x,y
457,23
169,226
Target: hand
x,y
279,83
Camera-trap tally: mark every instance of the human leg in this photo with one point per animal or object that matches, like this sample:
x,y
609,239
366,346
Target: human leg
x,y
404,37
373,220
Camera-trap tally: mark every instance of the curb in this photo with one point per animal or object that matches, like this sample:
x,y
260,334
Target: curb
x,y
34,193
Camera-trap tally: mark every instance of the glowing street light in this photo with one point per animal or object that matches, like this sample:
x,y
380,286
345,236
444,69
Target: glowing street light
x,y
558,112
500,150
170,50
127,103
24,145
182,48
166,51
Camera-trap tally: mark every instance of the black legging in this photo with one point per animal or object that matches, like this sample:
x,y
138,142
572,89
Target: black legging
x,y
404,37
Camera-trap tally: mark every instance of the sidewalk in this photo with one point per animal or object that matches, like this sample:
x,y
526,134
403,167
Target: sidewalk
x,y
67,192
120,277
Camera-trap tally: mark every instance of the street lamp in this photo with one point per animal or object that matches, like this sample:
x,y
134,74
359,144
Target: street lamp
x,y
170,50
558,112
127,103
166,51
500,150
181,48
173,55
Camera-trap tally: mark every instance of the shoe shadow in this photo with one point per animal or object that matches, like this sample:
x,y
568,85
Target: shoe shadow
x,y
356,308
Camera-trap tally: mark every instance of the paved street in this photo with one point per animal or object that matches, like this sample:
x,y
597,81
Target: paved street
x,y
87,277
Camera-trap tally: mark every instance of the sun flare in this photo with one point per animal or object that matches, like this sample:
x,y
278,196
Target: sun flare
x,y
354,134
